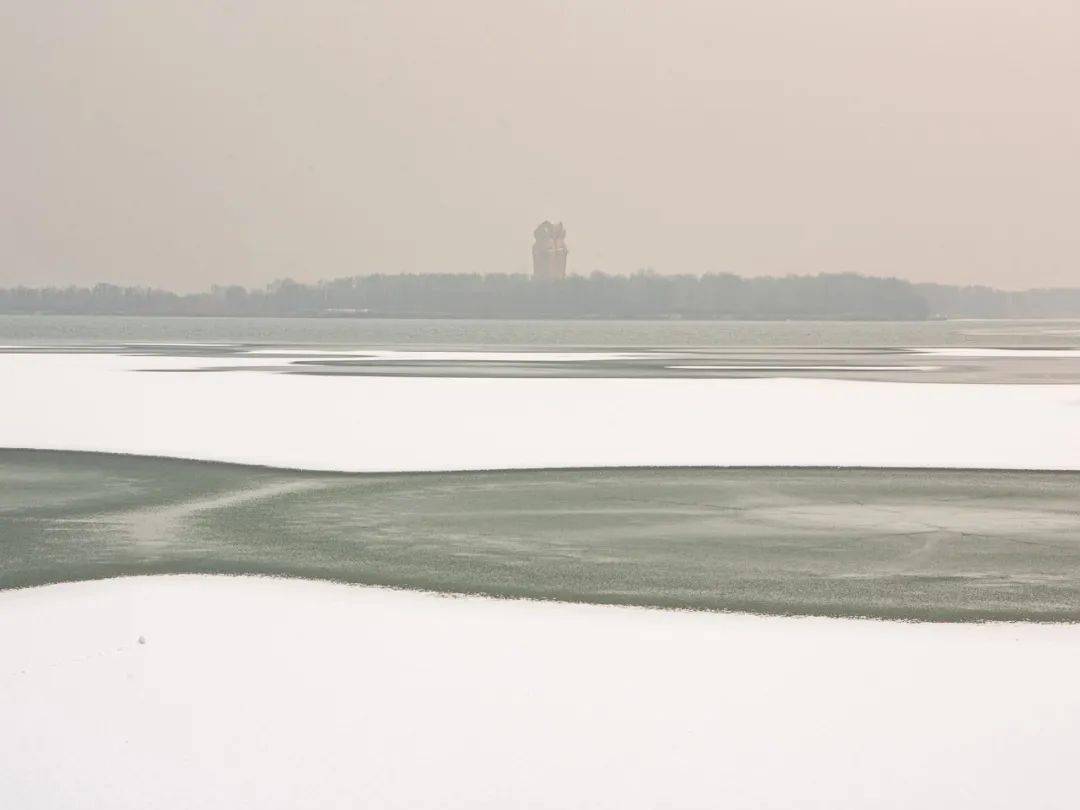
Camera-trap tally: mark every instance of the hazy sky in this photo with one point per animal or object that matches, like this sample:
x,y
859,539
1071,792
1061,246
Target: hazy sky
x,y
188,142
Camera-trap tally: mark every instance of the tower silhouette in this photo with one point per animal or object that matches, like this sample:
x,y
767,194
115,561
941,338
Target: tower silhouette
x,y
549,251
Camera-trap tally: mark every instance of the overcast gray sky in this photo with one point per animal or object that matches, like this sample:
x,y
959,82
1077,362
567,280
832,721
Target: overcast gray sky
x,y
188,142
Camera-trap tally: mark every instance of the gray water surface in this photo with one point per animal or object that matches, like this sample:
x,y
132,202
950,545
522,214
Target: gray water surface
x,y
430,332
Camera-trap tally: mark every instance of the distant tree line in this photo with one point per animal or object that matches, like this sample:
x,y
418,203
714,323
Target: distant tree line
x,y
844,296
986,302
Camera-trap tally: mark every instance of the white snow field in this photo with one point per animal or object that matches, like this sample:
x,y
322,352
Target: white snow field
x,y
271,693
102,402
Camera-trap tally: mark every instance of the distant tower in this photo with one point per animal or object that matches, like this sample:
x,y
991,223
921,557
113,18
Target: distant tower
x,y
549,251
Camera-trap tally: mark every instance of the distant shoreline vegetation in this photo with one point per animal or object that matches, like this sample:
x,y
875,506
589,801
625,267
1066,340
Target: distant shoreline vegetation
x,y
643,295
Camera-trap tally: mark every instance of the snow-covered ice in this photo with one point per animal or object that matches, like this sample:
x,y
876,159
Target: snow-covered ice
x,y
102,402
270,693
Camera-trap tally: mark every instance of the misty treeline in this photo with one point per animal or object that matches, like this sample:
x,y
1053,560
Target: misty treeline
x,y
986,302
641,295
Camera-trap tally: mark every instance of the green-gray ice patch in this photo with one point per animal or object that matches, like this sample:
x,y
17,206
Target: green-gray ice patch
x,y
918,544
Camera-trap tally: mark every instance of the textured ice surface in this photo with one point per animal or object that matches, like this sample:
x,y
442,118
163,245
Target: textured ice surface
x,y
943,545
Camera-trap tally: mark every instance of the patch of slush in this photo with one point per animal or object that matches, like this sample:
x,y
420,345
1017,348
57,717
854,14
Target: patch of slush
x,y
208,692
358,423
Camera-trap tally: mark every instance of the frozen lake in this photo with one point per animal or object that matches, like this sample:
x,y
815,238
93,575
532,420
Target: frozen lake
x,y
926,472
870,477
